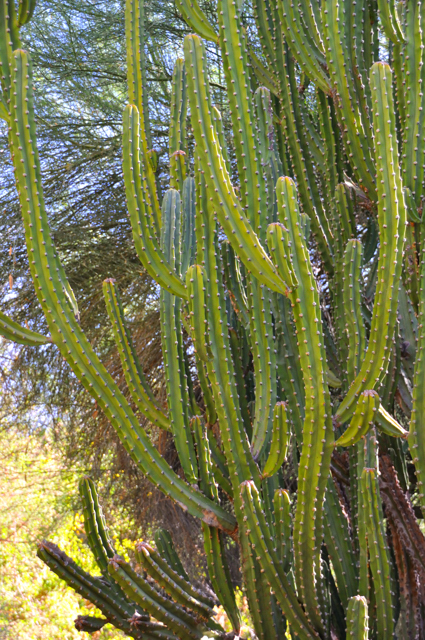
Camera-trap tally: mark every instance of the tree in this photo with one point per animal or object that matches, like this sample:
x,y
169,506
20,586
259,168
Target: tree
x,y
293,283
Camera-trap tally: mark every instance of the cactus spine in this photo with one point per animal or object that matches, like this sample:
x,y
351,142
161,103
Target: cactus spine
x,y
291,261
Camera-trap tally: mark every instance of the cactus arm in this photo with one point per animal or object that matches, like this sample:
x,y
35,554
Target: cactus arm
x,y
26,10
134,33
268,151
354,325
357,619
330,148
235,286
164,544
198,318
238,88
220,369
259,602
305,51
65,331
159,606
362,421
262,349
210,412
13,331
237,344
146,244
390,21
417,421
156,599
282,525
188,243
300,154
411,208
317,434
263,18
280,441
278,246
217,456
263,74
414,77
378,550
338,544
133,372
153,558
165,581
178,111
172,340
94,525
9,41
97,536
207,483
218,572
257,530
392,222
196,19
356,136
230,214
288,364
389,425
313,138
218,125
97,591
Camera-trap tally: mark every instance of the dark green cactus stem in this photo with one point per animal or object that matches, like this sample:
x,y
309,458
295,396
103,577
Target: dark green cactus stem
x,y
99,592
379,556
180,622
257,530
170,582
165,546
417,430
94,524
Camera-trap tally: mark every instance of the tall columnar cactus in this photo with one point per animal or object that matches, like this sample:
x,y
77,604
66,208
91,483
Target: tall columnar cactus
x,y
291,262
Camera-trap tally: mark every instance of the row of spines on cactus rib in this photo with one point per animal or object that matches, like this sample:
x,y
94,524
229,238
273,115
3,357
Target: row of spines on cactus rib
x,y
65,331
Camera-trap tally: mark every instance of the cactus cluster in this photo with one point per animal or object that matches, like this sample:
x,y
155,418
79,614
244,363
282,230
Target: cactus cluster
x,y
297,274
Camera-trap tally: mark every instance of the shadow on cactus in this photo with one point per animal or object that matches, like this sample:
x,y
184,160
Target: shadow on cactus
x,y
289,253
157,601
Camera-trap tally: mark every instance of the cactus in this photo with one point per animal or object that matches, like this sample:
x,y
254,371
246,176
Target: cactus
x,y
291,268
